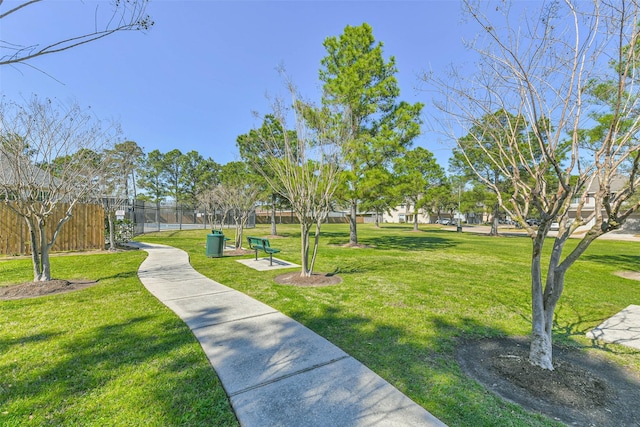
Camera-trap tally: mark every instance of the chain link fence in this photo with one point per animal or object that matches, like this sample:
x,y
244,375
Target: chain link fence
x,y
147,217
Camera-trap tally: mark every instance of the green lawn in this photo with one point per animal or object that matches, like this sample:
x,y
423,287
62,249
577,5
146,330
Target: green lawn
x,y
111,351
107,355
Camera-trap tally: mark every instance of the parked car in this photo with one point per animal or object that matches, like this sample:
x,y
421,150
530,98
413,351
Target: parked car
x,y
554,226
532,222
444,221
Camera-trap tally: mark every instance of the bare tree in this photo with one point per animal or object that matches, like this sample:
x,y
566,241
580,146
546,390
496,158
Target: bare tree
x,y
125,159
125,15
47,153
240,202
209,199
237,194
304,167
112,190
554,106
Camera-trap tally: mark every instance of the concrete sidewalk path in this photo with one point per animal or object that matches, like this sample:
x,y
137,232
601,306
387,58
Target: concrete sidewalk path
x,y
622,328
275,371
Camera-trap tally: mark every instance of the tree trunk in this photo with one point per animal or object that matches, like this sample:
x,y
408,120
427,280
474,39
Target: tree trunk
x,y
238,238
544,302
415,220
126,189
377,220
133,182
112,238
541,351
495,220
316,242
239,231
353,231
45,272
158,214
304,247
274,231
35,253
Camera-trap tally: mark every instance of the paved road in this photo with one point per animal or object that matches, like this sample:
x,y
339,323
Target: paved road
x,y
485,229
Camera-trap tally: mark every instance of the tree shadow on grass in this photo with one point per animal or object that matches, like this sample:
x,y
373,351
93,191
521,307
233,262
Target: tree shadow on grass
x,y
564,332
404,241
122,275
7,342
619,261
75,389
423,369
412,242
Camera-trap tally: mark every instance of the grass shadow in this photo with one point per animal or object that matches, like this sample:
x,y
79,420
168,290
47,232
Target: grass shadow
x,y
74,385
6,343
620,261
413,242
121,275
423,369
566,333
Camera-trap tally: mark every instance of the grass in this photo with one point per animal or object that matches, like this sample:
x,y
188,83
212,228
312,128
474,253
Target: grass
x,y
107,355
407,300
111,353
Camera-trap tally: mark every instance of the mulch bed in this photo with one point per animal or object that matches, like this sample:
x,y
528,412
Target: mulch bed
x,y
316,279
581,390
37,289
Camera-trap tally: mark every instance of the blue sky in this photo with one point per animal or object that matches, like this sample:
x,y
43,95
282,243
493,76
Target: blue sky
x,y
193,80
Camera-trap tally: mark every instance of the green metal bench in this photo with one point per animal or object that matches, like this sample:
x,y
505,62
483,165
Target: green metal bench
x,y
259,243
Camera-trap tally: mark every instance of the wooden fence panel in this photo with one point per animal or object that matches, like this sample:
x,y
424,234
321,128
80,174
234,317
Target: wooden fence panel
x,y
83,232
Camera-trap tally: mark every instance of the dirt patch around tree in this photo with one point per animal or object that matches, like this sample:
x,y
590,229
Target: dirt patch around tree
x,y
316,279
38,289
583,390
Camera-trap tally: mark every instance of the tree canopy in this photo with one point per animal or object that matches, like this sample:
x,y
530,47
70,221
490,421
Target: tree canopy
x,y
361,84
418,174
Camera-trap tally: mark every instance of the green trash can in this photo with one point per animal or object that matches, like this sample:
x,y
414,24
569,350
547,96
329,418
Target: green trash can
x,y
215,245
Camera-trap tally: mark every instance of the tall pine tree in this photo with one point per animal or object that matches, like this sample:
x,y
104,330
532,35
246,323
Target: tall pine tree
x,y
360,83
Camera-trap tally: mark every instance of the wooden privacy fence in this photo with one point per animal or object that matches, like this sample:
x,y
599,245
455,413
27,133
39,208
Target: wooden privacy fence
x,y
84,231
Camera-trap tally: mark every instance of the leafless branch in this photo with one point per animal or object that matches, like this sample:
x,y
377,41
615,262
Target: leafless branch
x,y
305,169
568,74
127,15
48,156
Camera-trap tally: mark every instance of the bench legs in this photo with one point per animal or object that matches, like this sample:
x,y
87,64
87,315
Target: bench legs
x,y
270,257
